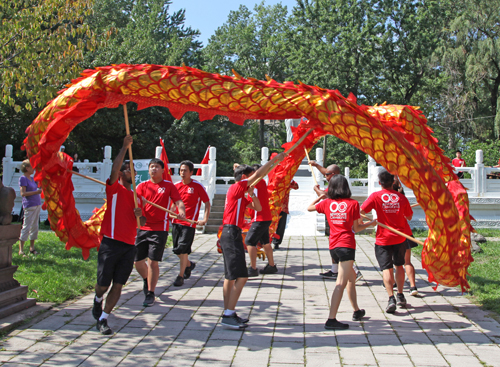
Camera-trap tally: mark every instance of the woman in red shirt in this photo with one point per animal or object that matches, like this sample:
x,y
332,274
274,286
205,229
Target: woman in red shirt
x,y
342,214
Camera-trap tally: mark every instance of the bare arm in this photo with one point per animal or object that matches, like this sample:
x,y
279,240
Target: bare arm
x,y
255,204
182,209
359,226
207,213
117,163
25,193
312,206
318,167
266,168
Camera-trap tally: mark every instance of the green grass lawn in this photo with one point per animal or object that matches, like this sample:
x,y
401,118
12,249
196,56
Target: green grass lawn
x,y
484,278
56,275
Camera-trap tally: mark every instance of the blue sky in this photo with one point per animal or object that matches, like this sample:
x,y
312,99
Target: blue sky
x,y
208,15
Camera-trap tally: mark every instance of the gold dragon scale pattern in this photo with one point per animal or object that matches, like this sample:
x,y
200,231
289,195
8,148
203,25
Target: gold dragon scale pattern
x,y
397,137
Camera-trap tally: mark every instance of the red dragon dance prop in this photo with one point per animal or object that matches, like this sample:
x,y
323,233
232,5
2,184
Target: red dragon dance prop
x,y
397,137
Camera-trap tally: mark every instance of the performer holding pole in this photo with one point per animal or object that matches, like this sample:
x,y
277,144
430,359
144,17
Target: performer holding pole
x,y
132,170
115,259
390,248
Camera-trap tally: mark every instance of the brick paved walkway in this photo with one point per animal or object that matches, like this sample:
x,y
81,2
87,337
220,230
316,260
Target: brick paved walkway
x,y
287,312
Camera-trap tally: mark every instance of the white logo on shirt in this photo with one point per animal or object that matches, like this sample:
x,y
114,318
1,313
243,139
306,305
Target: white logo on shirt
x,y
190,190
390,198
161,190
338,207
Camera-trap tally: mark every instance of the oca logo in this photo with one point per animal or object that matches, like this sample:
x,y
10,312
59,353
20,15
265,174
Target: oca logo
x,y
338,207
190,190
390,198
161,190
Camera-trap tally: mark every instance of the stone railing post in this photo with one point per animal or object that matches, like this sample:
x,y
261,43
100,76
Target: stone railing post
x,y
319,160
347,173
8,166
372,175
158,152
264,155
480,176
107,164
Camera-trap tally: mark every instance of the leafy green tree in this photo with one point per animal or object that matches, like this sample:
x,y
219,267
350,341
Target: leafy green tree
x,y
252,43
41,47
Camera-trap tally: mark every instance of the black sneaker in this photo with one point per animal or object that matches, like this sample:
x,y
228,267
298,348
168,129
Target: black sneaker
x,y
178,281
329,275
145,288
149,300
97,309
401,300
268,269
276,247
333,324
391,305
189,269
252,272
233,322
241,319
103,328
358,315
413,291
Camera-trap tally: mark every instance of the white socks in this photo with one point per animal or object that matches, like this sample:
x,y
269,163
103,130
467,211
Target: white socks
x,y
104,315
99,300
335,268
229,312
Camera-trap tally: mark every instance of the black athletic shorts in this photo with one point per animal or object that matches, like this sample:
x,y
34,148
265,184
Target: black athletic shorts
x,y
233,252
340,254
411,244
388,256
150,244
258,232
182,237
115,262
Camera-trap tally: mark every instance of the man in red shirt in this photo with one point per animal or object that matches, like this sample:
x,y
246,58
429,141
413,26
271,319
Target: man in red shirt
x,y
152,237
192,194
459,162
393,209
231,241
259,231
115,259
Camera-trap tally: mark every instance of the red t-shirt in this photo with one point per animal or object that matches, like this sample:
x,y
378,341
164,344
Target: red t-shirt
x,y
457,162
236,202
392,209
162,193
192,195
340,214
262,194
119,221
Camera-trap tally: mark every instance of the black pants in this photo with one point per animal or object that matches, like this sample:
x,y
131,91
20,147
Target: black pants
x,y
280,230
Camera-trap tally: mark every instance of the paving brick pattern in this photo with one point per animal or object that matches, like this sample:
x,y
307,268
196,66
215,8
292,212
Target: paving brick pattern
x,y
287,313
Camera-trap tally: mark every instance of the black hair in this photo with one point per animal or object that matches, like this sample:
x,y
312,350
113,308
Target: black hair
x,y
189,165
459,151
256,166
158,161
243,169
386,179
338,188
124,165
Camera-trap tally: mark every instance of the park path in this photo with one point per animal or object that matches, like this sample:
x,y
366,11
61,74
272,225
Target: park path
x,y
287,313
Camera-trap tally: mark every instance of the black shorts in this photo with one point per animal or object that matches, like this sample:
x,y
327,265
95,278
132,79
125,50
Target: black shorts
x,y
115,262
411,244
182,237
388,256
150,244
233,252
258,232
340,254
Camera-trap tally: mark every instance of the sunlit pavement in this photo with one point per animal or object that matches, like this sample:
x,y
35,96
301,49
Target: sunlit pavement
x,y
287,313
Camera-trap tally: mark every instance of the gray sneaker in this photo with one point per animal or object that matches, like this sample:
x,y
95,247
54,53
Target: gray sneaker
x,y
149,300
103,328
252,272
401,299
233,322
268,269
